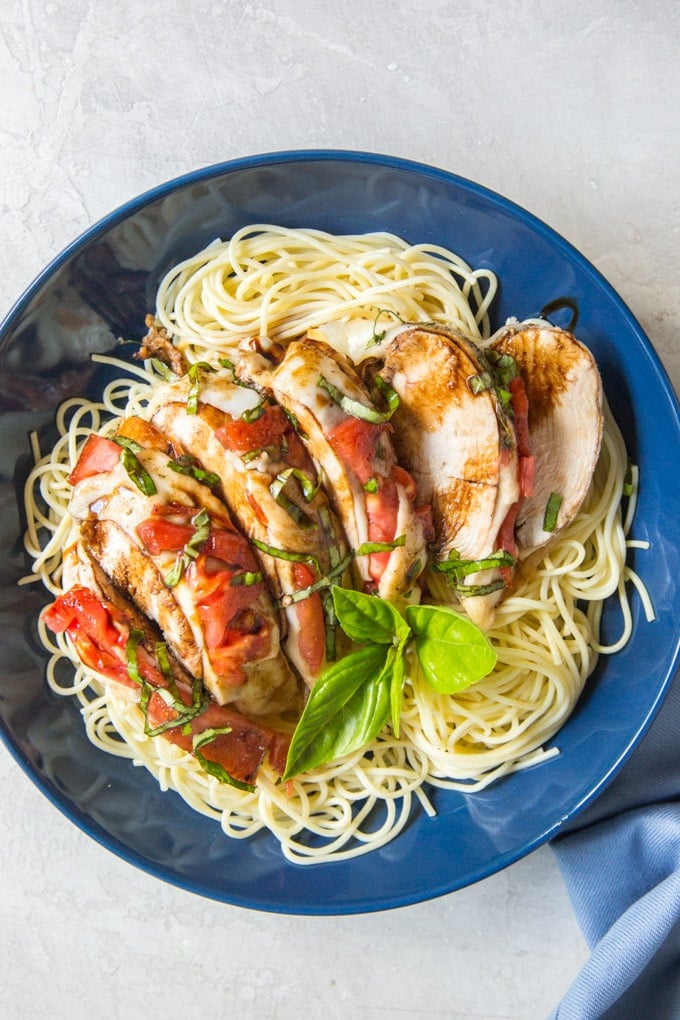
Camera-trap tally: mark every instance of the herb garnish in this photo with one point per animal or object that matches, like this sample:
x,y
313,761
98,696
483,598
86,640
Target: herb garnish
x,y
186,465
195,384
552,509
354,698
358,410
201,522
137,472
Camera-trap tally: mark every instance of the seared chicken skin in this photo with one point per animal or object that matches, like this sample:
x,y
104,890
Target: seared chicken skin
x,y
169,545
271,486
564,393
351,440
460,448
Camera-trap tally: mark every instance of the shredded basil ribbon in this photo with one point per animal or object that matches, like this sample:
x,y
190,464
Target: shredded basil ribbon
x,y
357,409
186,466
251,414
552,509
195,384
456,569
366,548
309,491
628,484
248,577
201,522
498,370
282,554
323,582
163,370
137,472
185,713
460,568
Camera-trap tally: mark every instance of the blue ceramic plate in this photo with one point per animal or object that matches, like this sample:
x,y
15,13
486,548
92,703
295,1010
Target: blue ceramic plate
x,y
99,289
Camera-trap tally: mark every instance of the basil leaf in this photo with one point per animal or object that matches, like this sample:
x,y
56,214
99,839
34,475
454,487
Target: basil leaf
x,y
347,707
552,510
195,384
366,548
367,618
354,407
187,466
459,568
137,472
397,679
247,578
133,642
201,522
453,652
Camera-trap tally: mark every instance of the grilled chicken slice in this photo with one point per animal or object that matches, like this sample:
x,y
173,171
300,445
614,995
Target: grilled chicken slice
x,y
459,447
564,390
271,485
167,543
101,623
345,433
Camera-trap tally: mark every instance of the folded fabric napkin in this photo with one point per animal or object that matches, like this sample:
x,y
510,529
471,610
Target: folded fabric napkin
x,y
621,862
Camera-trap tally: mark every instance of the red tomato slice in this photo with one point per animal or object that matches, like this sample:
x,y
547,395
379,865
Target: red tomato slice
x,y
527,472
161,535
230,548
354,442
382,509
401,477
240,752
99,643
245,436
309,611
506,541
520,408
97,456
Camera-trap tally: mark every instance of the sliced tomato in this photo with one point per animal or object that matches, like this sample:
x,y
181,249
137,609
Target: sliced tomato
x,y
97,456
506,541
237,648
229,547
400,476
220,607
240,752
309,611
527,471
161,535
382,510
246,436
354,443
92,628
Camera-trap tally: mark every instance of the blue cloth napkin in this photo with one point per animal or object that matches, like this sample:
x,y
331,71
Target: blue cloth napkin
x,y
621,862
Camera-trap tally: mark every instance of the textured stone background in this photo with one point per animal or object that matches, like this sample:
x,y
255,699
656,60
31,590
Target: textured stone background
x,y
568,108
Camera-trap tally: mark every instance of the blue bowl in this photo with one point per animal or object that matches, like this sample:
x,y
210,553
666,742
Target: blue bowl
x,y
97,290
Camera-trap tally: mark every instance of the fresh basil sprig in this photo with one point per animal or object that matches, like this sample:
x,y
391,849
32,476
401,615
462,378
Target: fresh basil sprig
x,y
354,698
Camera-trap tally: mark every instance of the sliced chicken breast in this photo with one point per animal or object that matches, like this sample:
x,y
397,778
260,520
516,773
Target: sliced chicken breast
x,y
564,391
350,438
458,445
271,486
168,544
